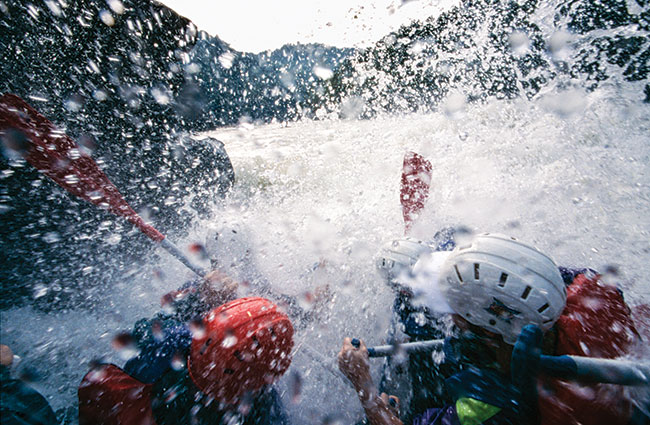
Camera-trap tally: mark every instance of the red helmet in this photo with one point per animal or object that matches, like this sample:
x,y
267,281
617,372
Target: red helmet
x,y
246,344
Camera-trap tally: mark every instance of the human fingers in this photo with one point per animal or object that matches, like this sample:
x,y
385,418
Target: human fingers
x,y
391,402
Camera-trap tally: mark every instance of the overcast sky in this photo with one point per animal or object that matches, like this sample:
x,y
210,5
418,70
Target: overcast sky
x,y
257,25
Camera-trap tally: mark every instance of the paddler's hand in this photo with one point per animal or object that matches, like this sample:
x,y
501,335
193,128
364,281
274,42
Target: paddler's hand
x,y
6,355
391,402
354,363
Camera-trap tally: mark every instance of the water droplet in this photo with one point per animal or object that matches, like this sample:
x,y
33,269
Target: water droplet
x,y
192,68
519,43
86,145
288,80
113,239
229,341
353,107
306,300
116,6
74,153
74,103
199,250
558,45
167,304
54,7
454,105
566,103
124,344
197,328
100,95
15,144
160,95
107,18
40,290
51,237
157,330
178,362
322,72
226,59
71,179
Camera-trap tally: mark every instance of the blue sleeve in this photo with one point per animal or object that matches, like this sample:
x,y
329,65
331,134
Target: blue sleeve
x,y
158,349
268,409
524,368
22,404
420,323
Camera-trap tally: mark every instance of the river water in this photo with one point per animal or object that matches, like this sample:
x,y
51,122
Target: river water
x,y
315,200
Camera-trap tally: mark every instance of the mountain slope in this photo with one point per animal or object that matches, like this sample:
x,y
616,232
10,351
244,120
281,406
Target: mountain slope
x,y
488,48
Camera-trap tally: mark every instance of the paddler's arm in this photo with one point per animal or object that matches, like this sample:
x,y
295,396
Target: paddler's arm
x,y
353,362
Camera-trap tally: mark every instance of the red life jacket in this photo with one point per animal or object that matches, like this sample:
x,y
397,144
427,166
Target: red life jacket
x,y
595,323
109,396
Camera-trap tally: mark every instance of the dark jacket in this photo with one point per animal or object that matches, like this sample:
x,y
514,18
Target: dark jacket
x,y
22,405
159,372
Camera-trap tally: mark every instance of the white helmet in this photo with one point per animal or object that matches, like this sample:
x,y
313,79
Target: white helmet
x,y
398,257
501,284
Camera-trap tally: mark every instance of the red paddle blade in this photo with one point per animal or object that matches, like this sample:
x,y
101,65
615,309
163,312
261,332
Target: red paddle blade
x,y
57,156
416,179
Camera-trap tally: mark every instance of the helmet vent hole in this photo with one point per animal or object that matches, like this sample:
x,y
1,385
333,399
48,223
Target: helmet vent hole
x,y
547,321
542,308
526,292
502,279
458,273
493,322
476,274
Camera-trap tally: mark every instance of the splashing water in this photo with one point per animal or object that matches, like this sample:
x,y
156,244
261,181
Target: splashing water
x,y
568,171
574,185
326,193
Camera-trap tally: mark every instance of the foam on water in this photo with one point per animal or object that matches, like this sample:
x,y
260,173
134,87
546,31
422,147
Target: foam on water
x,y
314,202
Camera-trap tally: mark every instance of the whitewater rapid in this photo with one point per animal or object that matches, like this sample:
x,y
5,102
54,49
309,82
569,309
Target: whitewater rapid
x,y
315,200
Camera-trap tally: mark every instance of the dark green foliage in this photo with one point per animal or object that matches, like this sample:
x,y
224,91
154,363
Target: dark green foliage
x,y
259,87
469,48
133,88
586,16
125,89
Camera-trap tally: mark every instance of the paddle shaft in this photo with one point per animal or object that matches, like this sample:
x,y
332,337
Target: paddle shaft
x,y
56,155
407,348
174,251
606,371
